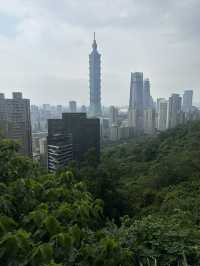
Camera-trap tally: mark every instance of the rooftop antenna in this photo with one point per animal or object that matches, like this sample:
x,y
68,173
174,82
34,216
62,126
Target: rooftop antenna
x,y
94,45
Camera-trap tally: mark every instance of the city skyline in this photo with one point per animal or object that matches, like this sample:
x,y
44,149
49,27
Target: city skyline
x,y
44,48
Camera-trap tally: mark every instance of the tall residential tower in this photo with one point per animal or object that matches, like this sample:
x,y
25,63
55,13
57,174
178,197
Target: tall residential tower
x,y
147,94
187,101
15,122
72,107
95,80
162,114
136,103
174,111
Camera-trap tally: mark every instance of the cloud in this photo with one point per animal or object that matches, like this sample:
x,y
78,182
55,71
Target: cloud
x,y
44,46
8,25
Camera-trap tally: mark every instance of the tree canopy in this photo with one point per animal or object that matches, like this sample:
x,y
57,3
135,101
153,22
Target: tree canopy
x,y
139,206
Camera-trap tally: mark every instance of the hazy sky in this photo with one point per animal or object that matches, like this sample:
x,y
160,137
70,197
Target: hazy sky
x,y
44,47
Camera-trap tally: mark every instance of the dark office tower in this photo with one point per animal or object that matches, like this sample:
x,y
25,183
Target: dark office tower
x,y
136,106
59,145
72,107
70,138
16,121
147,101
187,101
95,80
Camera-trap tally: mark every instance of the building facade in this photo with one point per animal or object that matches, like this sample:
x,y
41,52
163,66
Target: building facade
x,y
105,129
43,152
187,101
72,107
149,121
113,113
3,115
95,80
60,151
162,115
15,121
70,138
147,101
136,106
83,109
114,133
174,114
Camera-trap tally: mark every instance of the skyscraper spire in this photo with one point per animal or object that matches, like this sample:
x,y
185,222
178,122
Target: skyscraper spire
x,y
94,45
95,80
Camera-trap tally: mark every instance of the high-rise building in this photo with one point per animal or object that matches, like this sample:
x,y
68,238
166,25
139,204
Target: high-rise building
x,y
95,80
46,107
72,107
147,101
113,115
43,151
136,106
157,109
162,114
193,115
59,110
60,151
158,103
70,138
3,115
16,122
105,129
174,114
149,121
187,101
35,118
114,133
83,109
123,132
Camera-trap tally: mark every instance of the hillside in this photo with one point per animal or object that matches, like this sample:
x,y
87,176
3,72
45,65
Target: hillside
x,y
139,206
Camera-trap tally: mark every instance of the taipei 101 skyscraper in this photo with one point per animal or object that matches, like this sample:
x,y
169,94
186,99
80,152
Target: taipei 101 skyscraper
x,y
95,80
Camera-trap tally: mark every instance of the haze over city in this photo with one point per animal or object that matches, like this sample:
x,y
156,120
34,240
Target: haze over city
x,y
99,133
44,48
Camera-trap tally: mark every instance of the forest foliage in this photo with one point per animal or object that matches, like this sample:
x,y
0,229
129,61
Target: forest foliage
x,y
139,206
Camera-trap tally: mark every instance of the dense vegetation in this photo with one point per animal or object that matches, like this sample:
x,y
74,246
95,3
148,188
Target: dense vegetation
x,y
140,206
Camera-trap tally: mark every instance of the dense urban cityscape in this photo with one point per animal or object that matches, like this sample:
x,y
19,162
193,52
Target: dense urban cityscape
x,y
99,133
51,134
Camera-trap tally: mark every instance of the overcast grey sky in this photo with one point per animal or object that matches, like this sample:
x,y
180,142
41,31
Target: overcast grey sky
x,y
44,47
